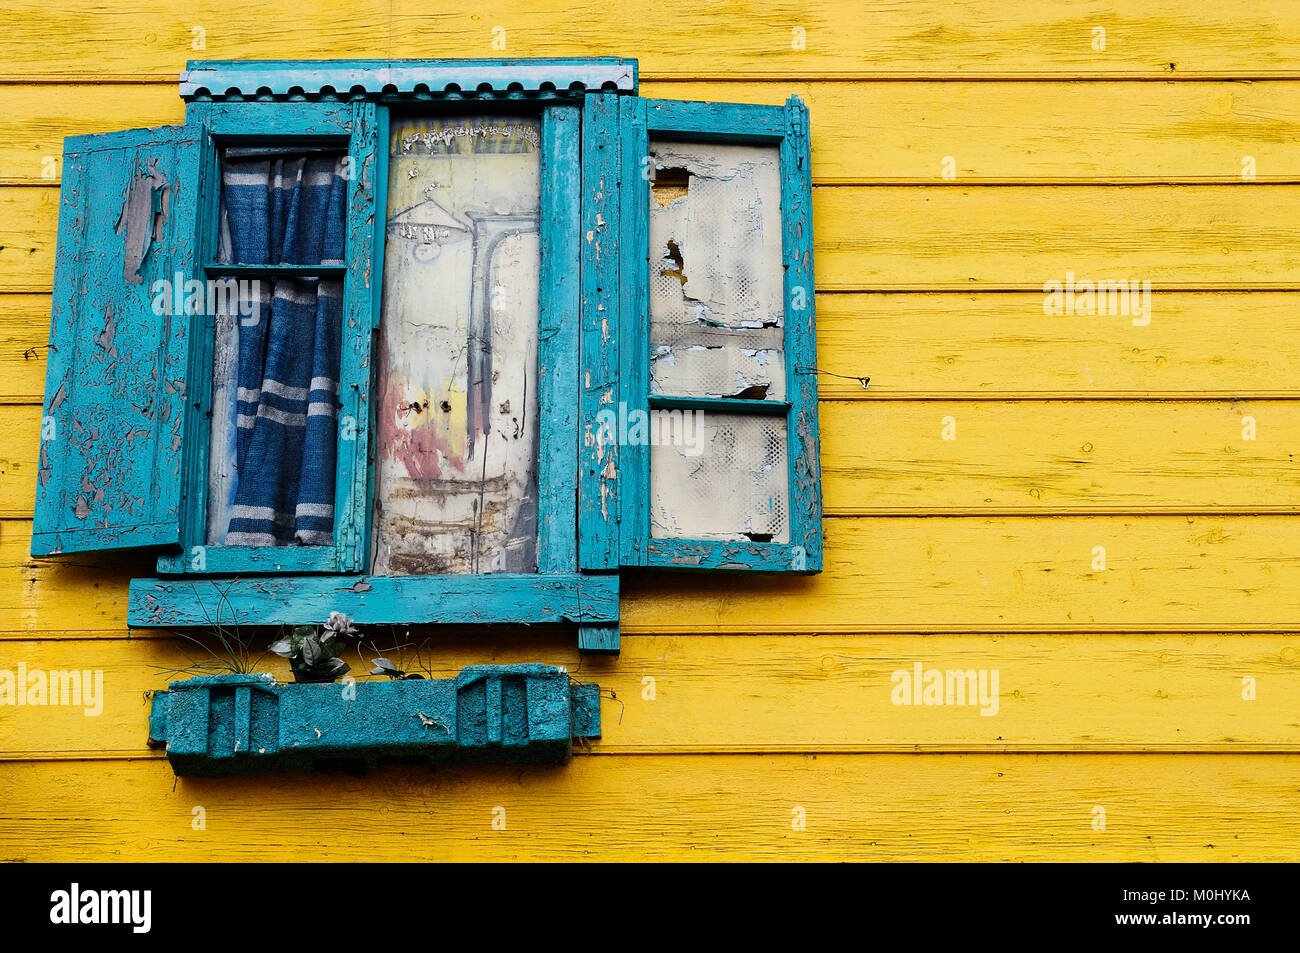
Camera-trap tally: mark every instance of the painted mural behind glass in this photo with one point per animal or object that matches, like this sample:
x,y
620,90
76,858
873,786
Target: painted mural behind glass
x,y
456,468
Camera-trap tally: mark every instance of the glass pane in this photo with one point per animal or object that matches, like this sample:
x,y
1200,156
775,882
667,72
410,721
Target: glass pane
x,y
456,472
717,287
725,477
276,352
282,206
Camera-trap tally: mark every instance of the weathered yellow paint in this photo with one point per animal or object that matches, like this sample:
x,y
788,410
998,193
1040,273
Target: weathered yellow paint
x,y
997,346
1026,456
729,39
1119,687
927,238
995,131
1038,456
1003,807
795,693
24,338
1165,573
990,346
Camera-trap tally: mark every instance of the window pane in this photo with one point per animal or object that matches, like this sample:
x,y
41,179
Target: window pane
x,y
456,473
282,206
276,352
723,477
717,286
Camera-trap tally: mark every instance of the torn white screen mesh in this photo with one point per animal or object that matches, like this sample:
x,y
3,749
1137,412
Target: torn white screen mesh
x,y
717,285
726,477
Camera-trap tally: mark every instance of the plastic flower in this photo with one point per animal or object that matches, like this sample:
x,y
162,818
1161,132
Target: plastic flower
x,y
338,625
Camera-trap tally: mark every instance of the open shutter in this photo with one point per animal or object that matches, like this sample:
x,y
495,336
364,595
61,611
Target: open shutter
x,y
111,438
716,419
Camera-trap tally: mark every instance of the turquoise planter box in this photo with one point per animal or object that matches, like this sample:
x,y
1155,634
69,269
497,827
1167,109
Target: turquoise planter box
x,y
245,724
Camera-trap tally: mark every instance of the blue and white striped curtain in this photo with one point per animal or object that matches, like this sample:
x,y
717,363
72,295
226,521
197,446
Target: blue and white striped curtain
x,y
285,208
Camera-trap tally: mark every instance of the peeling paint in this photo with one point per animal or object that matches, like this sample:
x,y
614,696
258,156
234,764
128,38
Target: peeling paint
x,y
110,478
144,213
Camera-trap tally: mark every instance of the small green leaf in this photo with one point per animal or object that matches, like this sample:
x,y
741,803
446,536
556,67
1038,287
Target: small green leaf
x,y
311,651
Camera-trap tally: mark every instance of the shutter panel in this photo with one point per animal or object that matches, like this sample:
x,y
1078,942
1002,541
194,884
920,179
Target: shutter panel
x,y
716,420
109,475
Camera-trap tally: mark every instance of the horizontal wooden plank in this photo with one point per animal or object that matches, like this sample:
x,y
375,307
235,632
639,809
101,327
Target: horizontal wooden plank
x,y
29,220
1210,344
896,133
24,340
450,598
884,807
1019,238
1023,456
1018,132
35,119
974,345
1151,38
883,574
679,694
921,238
1060,456
961,574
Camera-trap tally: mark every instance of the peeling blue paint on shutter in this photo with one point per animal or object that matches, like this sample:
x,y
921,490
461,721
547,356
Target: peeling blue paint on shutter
x,y
109,475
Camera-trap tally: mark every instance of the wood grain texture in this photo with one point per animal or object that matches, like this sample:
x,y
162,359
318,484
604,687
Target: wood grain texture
x,y
1002,807
961,574
1017,237
927,38
1013,132
1054,457
1070,132
788,693
24,342
964,238
905,574
34,119
996,346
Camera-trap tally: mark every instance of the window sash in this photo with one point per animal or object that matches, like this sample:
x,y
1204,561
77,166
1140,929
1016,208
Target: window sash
x,y
785,126
356,126
557,338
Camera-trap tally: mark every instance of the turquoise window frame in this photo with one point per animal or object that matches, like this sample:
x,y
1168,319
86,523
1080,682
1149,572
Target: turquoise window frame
x,y
593,348
352,126
276,585
615,507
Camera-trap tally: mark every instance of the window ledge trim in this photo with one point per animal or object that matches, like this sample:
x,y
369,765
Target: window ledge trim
x,y
498,599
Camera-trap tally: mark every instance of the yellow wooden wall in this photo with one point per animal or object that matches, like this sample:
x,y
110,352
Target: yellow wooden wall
x,y
1120,689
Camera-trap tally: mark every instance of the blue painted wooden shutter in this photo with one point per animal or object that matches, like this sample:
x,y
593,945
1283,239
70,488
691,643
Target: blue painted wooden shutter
x,y
628,520
109,475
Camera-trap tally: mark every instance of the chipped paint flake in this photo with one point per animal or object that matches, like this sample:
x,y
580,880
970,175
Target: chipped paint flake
x,y
144,213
